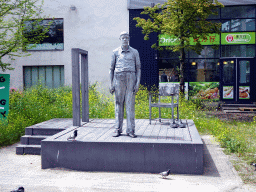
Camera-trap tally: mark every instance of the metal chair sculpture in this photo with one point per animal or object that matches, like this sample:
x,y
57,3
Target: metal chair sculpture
x,y
171,90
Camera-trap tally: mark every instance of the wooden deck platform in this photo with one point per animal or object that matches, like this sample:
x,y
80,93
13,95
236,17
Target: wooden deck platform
x,y
157,147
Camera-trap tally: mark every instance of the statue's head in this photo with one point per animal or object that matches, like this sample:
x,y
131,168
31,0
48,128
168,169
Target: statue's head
x,y
124,37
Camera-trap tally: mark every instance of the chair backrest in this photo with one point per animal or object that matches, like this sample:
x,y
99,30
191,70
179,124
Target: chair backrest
x,y
169,89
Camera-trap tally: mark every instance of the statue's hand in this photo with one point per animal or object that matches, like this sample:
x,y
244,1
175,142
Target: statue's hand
x,y
112,89
136,89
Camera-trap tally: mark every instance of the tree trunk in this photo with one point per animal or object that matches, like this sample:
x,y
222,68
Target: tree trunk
x,y
182,67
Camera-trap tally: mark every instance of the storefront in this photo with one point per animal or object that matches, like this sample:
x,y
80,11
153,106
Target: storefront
x,y
223,74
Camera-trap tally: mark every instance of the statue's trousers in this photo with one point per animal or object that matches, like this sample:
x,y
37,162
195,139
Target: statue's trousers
x,y
124,83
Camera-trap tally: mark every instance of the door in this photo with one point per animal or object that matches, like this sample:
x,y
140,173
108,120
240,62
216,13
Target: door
x,y
235,84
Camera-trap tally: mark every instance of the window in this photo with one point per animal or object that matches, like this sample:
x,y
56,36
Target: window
x,y
237,51
238,25
203,70
238,12
50,76
54,39
207,52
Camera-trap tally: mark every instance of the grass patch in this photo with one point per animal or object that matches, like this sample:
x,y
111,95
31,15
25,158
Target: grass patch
x,y
39,104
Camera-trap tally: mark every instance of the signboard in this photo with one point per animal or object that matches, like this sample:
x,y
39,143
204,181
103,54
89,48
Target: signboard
x,y
244,92
4,95
204,90
213,39
166,40
228,92
238,38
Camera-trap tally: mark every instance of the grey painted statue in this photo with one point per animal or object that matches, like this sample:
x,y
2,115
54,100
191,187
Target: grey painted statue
x,y
125,75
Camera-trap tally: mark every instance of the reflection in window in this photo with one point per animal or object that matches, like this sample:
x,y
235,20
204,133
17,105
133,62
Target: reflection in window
x,y
228,71
225,27
237,51
204,70
168,54
244,68
54,39
238,12
238,25
171,68
207,52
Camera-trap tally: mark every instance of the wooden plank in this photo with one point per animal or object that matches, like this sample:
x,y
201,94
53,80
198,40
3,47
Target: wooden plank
x,y
170,134
179,134
163,133
138,124
247,108
186,134
155,132
147,132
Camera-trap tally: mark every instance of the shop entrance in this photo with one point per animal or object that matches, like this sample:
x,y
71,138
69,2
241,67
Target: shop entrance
x,y
236,80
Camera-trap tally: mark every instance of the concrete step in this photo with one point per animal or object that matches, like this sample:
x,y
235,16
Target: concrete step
x,y
238,105
32,139
42,131
28,149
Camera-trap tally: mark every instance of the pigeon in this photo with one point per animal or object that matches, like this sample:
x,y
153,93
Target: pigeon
x,y
254,164
73,136
165,173
20,189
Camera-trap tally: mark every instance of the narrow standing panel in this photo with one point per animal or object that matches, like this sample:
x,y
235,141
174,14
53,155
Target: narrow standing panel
x,y
76,87
85,85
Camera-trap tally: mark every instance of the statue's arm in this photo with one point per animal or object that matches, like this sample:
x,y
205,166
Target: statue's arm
x,y
111,73
138,72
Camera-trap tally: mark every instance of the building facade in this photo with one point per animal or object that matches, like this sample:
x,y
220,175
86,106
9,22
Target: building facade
x,y
224,74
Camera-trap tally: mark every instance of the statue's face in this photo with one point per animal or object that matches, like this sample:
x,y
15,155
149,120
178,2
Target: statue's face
x,y
125,39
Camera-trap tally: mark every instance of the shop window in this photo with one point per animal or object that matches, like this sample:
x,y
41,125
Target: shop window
x,y
171,69
203,70
207,52
238,25
238,51
50,76
238,12
169,54
54,39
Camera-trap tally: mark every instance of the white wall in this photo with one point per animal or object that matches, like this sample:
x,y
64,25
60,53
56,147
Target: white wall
x,y
94,26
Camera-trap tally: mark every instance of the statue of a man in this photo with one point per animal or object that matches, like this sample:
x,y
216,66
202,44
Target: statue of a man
x,y
125,75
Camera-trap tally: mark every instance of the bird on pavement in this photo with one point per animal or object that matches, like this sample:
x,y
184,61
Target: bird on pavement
x,y
165,173
254,164
73,136
20,189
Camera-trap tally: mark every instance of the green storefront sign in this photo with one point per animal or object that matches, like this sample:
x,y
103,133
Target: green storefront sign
x,y
213,39
238,38
4,95
166,40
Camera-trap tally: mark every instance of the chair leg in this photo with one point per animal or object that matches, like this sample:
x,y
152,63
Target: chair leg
x,y
150,115
159,114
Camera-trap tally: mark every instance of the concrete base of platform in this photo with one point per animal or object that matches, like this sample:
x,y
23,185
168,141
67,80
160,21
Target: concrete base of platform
x,y
180,149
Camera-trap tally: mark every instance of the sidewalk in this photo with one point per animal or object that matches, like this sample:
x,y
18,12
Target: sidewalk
x,y
25,170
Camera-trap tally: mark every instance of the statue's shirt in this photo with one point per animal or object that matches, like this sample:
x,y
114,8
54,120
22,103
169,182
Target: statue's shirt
x,y
125,61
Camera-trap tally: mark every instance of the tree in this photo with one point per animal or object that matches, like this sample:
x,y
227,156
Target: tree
x,y
181,20
16,19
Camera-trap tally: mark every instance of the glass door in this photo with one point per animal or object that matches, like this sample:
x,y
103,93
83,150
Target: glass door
x,y
235,85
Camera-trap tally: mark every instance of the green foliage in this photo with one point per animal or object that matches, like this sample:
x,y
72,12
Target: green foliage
x,y
38,104
182,20
13,16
